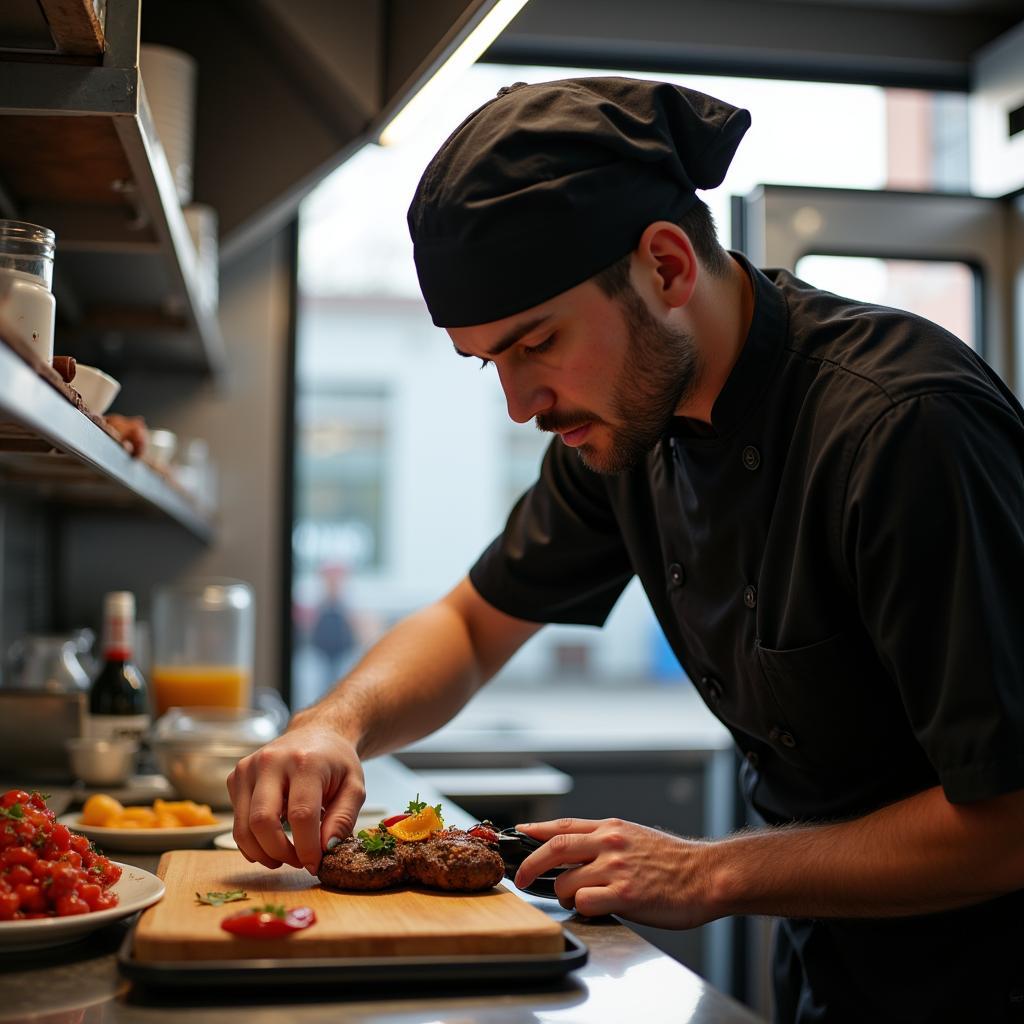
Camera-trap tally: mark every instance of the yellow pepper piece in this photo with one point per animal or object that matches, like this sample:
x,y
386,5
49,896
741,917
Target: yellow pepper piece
x,y
106,812
134,817
100,809
417,826
187,812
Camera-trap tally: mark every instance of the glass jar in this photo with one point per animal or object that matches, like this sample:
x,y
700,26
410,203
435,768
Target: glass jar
x,y
203,638
27,305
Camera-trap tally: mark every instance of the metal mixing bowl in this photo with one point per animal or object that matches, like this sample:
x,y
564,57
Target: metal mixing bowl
x,y
196,747
199,770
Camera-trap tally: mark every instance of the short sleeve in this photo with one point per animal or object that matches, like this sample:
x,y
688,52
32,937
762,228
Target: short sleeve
x,y
934,538
561,557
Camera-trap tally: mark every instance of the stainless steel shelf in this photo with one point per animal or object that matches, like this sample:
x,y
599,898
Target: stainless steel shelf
x,y
51,449
79,154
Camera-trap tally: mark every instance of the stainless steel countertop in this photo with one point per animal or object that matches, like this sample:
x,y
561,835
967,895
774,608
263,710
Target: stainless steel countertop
x,y
582,720
625,978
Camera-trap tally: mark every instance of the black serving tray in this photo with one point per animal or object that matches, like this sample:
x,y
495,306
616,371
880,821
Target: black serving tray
x,y
423,970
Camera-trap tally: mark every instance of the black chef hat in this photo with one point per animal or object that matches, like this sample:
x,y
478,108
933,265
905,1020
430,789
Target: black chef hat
x,y
545,185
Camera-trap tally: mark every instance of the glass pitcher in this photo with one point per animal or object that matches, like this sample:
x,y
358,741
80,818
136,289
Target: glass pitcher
x,y
53,663
203,635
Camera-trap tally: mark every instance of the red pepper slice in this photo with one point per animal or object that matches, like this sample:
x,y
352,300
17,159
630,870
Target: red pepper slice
x,y
488,835
268,922
394,820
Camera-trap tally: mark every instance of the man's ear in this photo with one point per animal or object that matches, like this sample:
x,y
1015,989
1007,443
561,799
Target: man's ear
x,y
667,263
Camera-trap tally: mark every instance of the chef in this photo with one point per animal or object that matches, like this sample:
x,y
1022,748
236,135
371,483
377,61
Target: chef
x,y
824,502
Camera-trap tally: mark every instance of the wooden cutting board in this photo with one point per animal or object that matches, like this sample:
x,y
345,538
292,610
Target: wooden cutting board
x,y
401,922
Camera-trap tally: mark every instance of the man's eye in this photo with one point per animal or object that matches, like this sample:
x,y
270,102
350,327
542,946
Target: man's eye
x,y
539,349
484,363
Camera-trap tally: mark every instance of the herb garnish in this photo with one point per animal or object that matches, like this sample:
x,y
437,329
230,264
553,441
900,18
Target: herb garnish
x,y
376,841
218,899
15,811
417,805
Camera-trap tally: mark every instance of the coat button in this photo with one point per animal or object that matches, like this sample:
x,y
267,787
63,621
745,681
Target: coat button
x,y
750,595
751,457
752,759
787,739
676,574
712,687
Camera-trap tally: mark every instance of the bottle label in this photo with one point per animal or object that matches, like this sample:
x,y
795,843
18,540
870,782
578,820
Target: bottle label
x,y
116,727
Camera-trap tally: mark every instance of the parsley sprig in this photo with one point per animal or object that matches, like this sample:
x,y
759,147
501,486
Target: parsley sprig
x,y
376,841
218,899
15,811
417,805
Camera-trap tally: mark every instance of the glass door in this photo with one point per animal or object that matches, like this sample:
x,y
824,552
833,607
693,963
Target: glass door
x,y
957,260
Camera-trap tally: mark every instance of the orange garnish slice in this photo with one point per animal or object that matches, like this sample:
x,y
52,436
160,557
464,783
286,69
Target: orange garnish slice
x,y
417,826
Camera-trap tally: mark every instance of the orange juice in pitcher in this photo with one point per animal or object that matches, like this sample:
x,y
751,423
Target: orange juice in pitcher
x,y
226,686
203,638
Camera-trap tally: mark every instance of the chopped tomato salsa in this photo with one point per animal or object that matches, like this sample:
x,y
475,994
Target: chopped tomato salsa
x,y
46,870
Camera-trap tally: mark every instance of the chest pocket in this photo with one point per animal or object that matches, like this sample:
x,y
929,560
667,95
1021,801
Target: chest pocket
x,y
838,709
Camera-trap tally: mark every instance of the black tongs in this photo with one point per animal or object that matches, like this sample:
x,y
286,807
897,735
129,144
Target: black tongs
x,y
514,848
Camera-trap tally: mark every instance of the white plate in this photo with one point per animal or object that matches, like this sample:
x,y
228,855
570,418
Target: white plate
x,y
368,817
147,840
136,889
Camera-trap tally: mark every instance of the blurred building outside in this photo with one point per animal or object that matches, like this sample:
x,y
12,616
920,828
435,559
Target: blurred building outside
x,y
406,461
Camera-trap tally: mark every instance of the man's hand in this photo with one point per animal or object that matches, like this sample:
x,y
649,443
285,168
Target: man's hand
x,y
644,875
310,776
916,856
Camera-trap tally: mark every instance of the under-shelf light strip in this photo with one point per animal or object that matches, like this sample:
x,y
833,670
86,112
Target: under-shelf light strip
x,y
464,56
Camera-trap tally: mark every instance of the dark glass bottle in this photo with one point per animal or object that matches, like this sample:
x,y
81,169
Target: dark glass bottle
x,y
118,700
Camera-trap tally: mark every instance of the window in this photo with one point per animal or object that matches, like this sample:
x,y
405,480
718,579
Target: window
x,y
407,484
524,448
944,292
341,469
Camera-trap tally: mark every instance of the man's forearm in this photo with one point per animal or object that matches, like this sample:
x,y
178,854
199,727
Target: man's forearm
x,y
412,681
919,855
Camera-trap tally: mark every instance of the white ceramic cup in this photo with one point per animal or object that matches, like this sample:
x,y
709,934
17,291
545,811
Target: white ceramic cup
x,y
161,446
98,389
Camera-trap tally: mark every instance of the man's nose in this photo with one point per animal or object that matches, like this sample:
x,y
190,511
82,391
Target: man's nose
x,y
524,396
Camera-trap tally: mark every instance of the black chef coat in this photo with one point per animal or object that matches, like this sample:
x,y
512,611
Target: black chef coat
x,y
837,566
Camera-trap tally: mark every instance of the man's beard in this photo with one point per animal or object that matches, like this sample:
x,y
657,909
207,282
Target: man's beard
x,y
662,369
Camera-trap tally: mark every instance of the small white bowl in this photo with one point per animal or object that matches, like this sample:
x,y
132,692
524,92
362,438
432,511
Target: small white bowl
x,y
161,446
98,389
99,762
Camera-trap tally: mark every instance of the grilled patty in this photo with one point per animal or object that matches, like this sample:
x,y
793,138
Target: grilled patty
x,y
348,866
450,860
